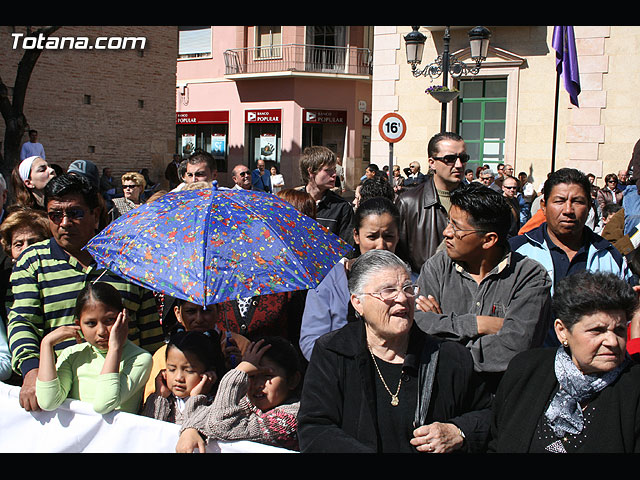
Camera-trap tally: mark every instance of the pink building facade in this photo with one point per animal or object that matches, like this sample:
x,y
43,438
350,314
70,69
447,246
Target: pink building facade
x,y
248,92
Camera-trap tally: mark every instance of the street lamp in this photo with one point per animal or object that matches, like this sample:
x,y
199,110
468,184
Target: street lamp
x,y
479,43
447,64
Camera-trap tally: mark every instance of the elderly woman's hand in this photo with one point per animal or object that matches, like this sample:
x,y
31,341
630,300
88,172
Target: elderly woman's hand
x,y
437,438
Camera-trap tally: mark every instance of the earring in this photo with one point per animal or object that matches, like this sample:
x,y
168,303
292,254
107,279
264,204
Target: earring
x,y
565,344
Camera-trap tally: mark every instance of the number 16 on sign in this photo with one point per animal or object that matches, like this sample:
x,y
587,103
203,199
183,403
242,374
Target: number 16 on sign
x,y
392,128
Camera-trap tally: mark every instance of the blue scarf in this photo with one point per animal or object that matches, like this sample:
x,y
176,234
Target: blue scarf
x,y
564,414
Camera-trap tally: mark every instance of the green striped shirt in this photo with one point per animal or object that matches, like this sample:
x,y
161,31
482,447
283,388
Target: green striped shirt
x,y
45,283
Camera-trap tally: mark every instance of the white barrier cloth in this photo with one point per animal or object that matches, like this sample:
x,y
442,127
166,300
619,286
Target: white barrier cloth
x,y
76,428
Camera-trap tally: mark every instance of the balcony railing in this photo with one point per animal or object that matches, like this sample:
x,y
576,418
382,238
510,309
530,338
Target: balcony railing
x,y
298,58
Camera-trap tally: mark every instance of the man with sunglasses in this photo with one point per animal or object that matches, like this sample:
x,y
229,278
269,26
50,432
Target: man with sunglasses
x,y
414,175
48,276
241,176
489,179
424,208
510,192
480,293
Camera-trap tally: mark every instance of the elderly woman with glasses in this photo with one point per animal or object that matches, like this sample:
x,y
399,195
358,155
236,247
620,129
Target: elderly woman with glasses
x,y
133,185
583,396
369,386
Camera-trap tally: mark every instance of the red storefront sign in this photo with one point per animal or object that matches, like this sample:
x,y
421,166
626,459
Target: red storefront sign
x,y
262,116
197,118
335,117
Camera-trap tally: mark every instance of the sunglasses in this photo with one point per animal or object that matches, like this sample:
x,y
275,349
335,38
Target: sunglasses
x,y
129,186
72,214
451,159
242,174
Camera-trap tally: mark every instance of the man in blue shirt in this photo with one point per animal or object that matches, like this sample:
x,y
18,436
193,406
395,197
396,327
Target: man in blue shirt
x,y
32,147
260,178
563,244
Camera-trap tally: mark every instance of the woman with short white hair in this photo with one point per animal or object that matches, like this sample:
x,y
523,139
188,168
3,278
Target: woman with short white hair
x,y
369,385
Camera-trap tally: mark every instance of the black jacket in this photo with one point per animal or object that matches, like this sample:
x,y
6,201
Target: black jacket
x,y
527,388
337,408
423,219
335,213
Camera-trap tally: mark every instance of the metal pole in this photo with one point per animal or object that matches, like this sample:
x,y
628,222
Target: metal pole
x,y
555,125
445,76
391,163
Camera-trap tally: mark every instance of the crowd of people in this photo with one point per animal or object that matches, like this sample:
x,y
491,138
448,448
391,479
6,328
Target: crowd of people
x,y
476,313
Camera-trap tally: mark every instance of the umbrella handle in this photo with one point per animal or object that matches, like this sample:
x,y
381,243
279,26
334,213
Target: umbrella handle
x,y
232,358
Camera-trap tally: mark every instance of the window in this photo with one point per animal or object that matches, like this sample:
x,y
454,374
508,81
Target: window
x,y
326,50
194,42
268,41
211,138
482,113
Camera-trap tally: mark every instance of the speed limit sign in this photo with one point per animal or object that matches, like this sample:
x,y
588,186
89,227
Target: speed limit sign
x,y
392,127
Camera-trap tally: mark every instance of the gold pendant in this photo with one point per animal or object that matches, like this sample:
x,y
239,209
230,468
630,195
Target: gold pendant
x,y
394,400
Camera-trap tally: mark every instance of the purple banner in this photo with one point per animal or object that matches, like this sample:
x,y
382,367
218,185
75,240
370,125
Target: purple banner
x,y
564,43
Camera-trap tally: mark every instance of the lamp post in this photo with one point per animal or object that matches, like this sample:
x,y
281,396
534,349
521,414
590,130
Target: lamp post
x,y
447,64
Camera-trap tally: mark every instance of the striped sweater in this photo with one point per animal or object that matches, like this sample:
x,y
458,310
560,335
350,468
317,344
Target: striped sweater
x,y
44,285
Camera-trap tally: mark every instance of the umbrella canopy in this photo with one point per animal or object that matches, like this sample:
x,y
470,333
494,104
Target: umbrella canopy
x,y
213,245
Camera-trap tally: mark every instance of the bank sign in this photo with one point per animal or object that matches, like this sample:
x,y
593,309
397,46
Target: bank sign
x,y
197,118
325,116
263,116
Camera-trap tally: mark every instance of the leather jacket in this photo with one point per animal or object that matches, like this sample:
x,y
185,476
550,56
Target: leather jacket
x,y
423,219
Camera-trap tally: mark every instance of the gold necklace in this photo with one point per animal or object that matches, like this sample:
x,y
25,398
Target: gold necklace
x,y
394,398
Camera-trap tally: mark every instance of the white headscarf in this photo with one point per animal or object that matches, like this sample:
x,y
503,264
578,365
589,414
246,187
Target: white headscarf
x,y
25,167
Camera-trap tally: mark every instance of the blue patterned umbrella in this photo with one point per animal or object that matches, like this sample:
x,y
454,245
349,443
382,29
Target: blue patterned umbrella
x,y
213,245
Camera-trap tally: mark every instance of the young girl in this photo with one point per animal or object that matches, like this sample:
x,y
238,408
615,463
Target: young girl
x,y
28,180
256,401
106,369
194,364
192,317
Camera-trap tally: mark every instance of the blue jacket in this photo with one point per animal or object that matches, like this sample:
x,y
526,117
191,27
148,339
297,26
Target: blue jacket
x,y
602,256
261,182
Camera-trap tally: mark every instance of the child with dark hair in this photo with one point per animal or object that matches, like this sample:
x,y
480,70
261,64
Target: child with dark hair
x,y
193,317
104,368
194,364
256,401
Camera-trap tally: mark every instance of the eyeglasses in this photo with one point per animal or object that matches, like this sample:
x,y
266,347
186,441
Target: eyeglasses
x,y
126,187
470,230
451,159
387,294
75,213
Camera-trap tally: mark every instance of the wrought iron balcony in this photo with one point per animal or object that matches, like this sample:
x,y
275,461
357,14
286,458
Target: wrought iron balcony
x,y
298,58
